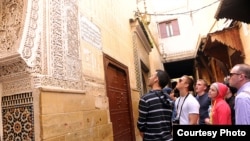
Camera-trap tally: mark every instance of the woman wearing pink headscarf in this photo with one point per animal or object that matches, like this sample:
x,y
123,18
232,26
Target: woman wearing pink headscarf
x,y
220,113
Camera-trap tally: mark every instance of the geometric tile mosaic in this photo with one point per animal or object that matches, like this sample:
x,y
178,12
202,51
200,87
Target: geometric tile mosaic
x,y
18,117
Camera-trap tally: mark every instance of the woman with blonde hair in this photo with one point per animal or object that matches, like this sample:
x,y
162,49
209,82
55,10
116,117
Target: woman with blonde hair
x,y
220,113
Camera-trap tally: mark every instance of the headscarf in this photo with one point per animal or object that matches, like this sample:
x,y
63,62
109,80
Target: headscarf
x,y
222,91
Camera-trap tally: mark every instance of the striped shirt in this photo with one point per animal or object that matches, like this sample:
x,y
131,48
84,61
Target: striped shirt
x,y
155,117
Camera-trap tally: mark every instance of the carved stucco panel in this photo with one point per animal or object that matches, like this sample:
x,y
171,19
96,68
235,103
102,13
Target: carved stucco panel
x,y
15,77
47,52
11,15
73,63
57,46
14,68
17,86
72,28
64,43
19,21
28,47
65,84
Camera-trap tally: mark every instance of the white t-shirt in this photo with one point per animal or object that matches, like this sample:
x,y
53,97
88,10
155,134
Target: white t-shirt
x,y
190,106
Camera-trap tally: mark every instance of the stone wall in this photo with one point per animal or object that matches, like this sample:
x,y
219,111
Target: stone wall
x,y
72,117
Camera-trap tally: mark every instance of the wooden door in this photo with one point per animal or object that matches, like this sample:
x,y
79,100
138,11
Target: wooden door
x,y
118,92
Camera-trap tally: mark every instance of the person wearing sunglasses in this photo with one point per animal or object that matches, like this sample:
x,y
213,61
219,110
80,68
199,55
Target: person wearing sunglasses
x,y
239,78
186,104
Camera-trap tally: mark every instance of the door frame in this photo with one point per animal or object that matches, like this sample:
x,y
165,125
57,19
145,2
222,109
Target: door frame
x,y
109,60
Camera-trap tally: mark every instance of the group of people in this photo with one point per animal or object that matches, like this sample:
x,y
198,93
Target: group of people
x,y
217,104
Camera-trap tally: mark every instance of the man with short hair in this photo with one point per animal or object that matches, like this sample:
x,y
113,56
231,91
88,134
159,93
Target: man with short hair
x,y
187,105
240,79
203,99
155,110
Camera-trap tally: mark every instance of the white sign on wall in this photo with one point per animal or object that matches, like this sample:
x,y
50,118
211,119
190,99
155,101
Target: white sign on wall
x,y
90,32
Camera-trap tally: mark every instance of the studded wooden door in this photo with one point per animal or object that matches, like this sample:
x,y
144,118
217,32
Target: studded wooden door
x,y
118,91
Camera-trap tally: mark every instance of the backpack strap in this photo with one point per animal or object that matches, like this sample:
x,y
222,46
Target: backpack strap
x,y
167,100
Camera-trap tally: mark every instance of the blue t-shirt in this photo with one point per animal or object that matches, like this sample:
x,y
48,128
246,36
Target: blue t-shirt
x,y
204,102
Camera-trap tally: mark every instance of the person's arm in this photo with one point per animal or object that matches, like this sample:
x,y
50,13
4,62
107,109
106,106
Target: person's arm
x,y
143,111
193,119
194,109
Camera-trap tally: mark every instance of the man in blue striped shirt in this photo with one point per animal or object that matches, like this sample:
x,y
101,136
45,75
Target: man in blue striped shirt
x,y
240,79
155,110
